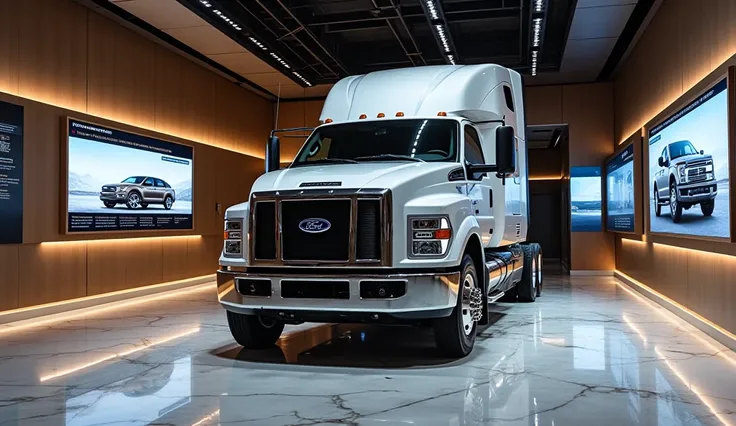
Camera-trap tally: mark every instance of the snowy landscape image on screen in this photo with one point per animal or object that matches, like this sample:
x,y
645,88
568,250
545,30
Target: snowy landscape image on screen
x,y
93,164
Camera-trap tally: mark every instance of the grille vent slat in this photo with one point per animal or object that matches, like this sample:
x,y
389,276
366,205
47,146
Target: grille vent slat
x,y
368,241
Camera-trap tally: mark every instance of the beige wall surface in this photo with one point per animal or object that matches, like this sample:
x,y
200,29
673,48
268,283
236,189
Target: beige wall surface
x,y
60,59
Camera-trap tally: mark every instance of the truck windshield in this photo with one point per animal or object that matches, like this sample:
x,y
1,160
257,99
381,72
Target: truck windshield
x,y
391,140
678,149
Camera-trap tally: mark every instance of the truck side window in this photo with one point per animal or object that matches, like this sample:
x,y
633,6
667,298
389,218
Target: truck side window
x,y
160,183
148,182
473,150
509,98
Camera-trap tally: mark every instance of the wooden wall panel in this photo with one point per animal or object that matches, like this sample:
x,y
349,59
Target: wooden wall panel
x,y
184,97
42,140
121,84
175,252
9,47
52,272
544,105
242,119
52,52
698,280
668,60
9,276
588,111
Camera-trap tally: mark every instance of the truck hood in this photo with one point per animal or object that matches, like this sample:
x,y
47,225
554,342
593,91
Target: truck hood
x,y
356,176
692,158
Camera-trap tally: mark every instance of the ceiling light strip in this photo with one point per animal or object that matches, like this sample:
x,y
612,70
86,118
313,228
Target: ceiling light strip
x,y
255,41
433,12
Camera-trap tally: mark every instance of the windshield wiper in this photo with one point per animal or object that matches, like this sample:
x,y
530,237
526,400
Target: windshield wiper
x,y
325,161
389,157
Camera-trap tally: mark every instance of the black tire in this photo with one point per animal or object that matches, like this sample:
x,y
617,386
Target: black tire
x,y
451,336
109,204
134,200
253,331
657,204
675,206
527,287
540,263
707,207
168,202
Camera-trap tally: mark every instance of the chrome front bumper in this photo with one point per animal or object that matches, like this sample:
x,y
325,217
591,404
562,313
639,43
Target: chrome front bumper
x,y
428,295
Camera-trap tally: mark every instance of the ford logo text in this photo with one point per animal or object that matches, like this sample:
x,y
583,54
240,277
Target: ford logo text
x,y
314,225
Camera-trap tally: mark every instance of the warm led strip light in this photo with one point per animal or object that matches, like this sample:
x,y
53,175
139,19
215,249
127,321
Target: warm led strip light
x,y
26,324
667,316
118,355
119,240
210,417
694,390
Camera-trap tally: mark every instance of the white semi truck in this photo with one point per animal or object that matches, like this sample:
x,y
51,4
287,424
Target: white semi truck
x,y
408,205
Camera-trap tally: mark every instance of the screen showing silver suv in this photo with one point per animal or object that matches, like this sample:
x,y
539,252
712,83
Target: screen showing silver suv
x,y
138,192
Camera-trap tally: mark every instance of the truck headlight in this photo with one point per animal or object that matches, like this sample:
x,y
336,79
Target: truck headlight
x,y
709,168
429,236
233,237
681,172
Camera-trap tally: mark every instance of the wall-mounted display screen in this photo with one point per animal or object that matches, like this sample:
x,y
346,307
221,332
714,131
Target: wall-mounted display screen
x,y
620,191
120,181
585,199
688,168
11,173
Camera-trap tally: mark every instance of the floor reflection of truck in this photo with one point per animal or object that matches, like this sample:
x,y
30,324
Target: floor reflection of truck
x,y
409,205
685,178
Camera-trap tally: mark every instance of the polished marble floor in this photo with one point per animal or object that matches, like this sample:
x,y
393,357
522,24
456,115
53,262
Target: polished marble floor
x,y
588,352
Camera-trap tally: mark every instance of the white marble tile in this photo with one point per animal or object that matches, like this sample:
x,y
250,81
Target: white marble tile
x,y
588,352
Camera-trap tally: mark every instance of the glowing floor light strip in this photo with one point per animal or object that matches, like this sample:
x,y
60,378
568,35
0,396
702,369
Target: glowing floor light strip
x,y
117,355
24,325
694,390
207,418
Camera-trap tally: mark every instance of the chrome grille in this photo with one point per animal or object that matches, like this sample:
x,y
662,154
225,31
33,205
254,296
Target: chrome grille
x,y
359,232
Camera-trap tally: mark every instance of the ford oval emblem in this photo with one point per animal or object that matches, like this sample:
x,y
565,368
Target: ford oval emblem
x,y
314,225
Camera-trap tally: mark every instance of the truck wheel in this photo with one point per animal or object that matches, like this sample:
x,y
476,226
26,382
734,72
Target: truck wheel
x,y
455,334
134,200
253,331
109,204
657,203
527,287
538,249
675,207
168,202
707,207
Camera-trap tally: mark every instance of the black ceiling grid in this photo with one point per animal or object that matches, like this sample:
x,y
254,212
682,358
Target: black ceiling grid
x,y
637,18
559,15
255,36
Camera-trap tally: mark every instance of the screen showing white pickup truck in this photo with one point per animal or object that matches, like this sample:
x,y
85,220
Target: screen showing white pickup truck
x,y
688,168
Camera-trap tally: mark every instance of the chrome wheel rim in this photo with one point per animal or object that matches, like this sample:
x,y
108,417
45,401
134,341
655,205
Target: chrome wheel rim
x,y
168,203
471,303
673,200
134,200
539,268
534,274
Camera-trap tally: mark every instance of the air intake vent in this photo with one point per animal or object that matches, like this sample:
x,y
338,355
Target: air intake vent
x,y
368,241
265,230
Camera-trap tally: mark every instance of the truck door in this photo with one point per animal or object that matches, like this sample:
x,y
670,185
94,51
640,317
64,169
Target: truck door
x,y
478,186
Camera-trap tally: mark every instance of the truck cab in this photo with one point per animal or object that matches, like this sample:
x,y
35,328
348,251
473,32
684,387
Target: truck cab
x,y
408,205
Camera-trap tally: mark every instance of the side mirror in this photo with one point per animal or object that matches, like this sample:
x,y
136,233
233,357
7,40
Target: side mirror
x,y
505,151
273,154
702,152
661,161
